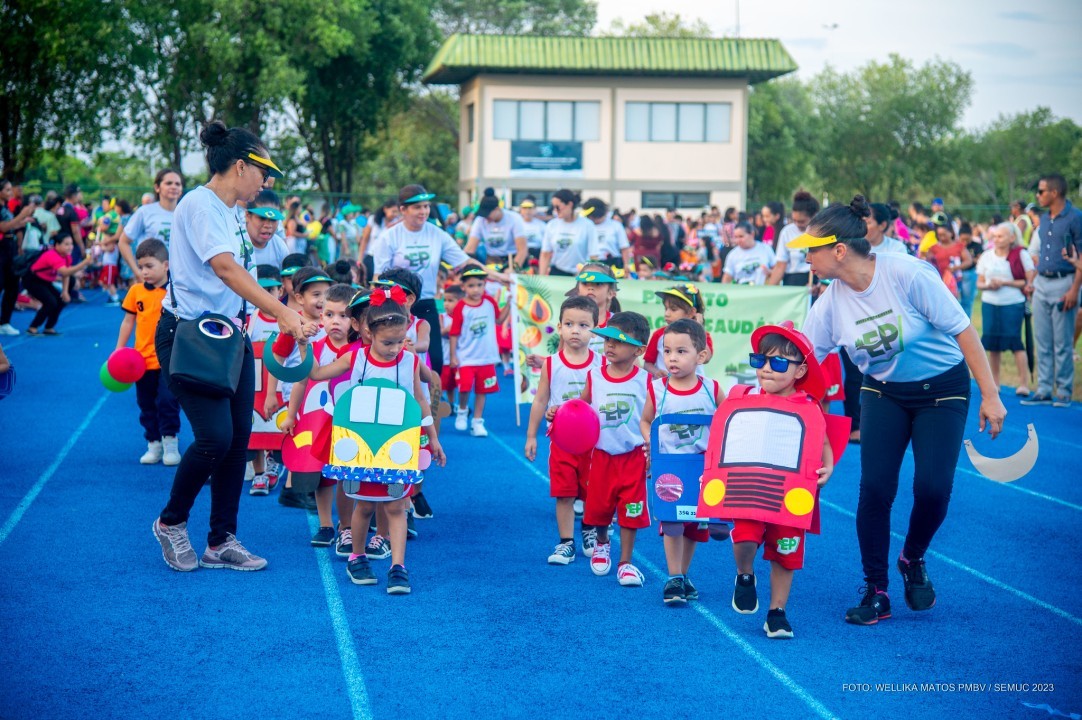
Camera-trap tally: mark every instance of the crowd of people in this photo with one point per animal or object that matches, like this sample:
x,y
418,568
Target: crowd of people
x,y
418,302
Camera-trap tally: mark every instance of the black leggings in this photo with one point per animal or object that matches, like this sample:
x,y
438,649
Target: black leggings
x,y
49,297
9,281
932,415
426,310
222,427
854,378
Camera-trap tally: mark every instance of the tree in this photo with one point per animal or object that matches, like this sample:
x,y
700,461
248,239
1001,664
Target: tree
x,y
782,139
516,17
661,24
355,78
888,126
64,70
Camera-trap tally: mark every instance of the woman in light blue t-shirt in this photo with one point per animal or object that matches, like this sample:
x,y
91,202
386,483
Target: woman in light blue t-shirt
x,y
154,220
207,255
902,328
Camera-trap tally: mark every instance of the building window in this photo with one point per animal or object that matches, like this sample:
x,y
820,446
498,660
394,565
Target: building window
x,y
678,200
677,122
469,122
542,198
555,121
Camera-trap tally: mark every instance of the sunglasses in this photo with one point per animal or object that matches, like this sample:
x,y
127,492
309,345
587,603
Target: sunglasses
x,y
777,363
261,169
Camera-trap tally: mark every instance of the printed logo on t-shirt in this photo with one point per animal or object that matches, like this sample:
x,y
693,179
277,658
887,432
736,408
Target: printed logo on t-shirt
x,y
563,242
490,382
633,510
418,257
574,390
788,545
615,413
139,305
478,327
882,339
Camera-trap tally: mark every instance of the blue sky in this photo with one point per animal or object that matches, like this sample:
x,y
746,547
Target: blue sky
x,y
1020,55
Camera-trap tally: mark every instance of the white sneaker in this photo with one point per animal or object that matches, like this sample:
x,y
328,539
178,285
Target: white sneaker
x,y
460,419
249,472
170,451
153,455
629,575
8,329
600,562
477,428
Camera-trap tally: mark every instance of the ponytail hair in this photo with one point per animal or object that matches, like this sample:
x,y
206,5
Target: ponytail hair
x,y
227,145
845,222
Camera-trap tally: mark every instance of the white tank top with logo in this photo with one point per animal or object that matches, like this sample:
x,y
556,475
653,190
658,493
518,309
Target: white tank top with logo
x,y
620,404
683,439
399,371
566,381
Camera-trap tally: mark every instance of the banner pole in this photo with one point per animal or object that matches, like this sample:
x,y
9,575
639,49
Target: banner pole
x,y
514,345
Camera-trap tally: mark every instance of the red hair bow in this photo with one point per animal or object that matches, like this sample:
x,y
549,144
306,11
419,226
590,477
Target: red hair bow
x,y
381,295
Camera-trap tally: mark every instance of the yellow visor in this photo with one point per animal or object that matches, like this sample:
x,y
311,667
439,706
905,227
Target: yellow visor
x,y
273,170
810,241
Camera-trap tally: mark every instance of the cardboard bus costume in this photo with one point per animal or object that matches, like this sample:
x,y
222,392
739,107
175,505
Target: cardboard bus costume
x,y
764,451
376,439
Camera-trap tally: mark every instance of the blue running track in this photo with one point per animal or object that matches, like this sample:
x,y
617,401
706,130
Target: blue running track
x,y
94,624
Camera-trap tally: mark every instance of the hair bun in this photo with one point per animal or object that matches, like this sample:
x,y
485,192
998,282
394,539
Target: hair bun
x,y
859,207
489,192
802,196
214,133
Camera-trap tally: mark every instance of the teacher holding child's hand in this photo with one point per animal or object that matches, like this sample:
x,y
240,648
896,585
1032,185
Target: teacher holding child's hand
x,y
909,336
208,263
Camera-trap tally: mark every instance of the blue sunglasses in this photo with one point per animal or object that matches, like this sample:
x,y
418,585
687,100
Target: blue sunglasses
x,y
777,363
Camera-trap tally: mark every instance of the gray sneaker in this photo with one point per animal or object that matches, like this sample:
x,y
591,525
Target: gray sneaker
x,y
176,548
231,554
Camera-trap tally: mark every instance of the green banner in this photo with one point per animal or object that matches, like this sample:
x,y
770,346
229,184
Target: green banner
x,y
732,314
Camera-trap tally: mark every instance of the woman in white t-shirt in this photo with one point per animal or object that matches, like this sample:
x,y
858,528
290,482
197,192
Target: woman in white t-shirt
x,y
1002,273
206,250
750,262
570,240
153,220
899,324
535,228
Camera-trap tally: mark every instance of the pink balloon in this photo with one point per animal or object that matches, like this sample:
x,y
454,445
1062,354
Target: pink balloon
x,y
576,427
126,365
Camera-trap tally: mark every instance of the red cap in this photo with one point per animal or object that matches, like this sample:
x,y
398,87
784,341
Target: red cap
x,y
815,381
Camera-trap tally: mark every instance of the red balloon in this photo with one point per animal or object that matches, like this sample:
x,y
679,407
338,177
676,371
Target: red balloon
x,y
576,427
127,365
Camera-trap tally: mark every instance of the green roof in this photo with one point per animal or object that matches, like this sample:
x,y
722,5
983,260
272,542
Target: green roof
x,y
464,56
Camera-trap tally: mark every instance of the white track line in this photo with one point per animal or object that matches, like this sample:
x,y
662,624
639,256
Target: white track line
x,y
972,571
351,665
777,673
28,499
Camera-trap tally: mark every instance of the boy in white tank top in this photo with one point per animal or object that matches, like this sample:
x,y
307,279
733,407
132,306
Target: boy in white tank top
x,y
563,378
618,466
681,391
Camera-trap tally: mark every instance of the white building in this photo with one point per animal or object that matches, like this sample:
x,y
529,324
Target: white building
x,y
638,122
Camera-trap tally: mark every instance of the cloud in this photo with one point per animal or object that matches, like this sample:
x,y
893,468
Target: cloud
x,y
999,50
1022,15
811,43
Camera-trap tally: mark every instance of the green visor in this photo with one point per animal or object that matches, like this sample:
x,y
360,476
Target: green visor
x,y
616,334
315,279
269,282
267,213
351,208
291,271
419,198
591,276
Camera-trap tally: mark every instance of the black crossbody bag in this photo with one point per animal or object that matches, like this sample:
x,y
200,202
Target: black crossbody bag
x,y
208,352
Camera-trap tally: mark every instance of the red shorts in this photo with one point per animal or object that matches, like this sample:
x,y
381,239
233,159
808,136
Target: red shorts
x,y
109,275
479,378
568,474
447,378
617,484
691,531
781,544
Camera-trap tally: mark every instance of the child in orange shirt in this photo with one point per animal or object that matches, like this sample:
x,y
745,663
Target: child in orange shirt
x,y
159,411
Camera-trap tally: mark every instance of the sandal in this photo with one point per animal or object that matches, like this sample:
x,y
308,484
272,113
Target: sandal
x,y
32,331
1022,391
50,332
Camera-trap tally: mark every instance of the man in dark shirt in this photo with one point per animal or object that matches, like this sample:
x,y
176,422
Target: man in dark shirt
x,y
1055,293
70,227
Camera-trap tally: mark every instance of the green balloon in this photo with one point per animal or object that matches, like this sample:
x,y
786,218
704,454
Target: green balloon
x,y
109,382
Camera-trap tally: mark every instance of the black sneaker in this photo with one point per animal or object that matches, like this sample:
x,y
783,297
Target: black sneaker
x,y
919,593
421,509
360,572
1036,399
745,600
690,590
291,498
776,626
343,547
398,581
324,537
874,606
411,531
563,553
675,592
